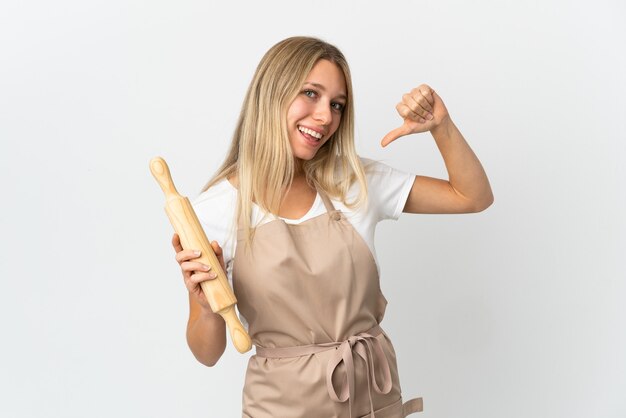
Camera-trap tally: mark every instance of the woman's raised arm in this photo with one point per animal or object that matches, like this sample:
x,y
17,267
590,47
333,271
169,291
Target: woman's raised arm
x,y
468,189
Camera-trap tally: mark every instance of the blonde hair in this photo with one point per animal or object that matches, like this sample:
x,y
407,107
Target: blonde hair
x,y
260,152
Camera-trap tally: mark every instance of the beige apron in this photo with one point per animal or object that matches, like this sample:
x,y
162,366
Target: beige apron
x,y
312,298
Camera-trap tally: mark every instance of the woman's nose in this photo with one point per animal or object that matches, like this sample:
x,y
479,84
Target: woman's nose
x,y
322,113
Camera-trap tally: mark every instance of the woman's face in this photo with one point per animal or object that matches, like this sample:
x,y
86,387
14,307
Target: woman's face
x,y
314,115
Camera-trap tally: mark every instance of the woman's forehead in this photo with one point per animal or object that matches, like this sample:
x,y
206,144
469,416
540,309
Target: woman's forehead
x,y
328,77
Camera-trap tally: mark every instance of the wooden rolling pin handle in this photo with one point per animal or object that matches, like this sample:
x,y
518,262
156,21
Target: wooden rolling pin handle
x,y
161,173
238,334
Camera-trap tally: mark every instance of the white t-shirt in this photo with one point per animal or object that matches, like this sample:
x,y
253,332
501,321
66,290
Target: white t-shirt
x,y
388,190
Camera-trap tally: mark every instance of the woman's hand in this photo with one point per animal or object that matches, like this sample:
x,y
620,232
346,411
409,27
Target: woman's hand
x,y
422,110
195,272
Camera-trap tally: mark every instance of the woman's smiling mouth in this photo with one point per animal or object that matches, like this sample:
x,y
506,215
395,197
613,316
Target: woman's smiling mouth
x,y
310,133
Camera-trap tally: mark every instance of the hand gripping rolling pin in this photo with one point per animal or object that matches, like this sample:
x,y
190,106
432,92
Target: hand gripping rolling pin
x,y
185,222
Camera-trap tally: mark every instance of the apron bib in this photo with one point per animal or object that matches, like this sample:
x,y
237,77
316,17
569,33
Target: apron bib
x,y
312,298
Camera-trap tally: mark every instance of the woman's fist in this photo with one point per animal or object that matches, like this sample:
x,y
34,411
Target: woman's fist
x,y
195,272
422,110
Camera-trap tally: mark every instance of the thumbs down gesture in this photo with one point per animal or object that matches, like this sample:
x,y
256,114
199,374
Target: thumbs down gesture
x,y
422,110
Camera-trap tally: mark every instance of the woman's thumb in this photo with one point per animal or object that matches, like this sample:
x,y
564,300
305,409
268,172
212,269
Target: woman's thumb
x,y
394,134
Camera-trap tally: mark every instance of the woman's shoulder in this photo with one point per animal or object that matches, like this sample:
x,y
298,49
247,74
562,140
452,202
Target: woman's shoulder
x,y
217,202
378,172
387,188
372,167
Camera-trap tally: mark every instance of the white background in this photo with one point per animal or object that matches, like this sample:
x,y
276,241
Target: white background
x,y
514,312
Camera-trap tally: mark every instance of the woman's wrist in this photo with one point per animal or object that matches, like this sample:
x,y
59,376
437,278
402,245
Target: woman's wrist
x,y
443,128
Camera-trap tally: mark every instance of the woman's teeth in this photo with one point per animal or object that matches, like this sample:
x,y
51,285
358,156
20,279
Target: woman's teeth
x,y
314,134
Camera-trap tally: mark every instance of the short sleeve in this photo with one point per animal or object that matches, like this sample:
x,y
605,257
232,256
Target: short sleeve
x,y
388,189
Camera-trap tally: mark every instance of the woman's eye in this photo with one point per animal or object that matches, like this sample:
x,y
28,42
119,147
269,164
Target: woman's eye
x,y
309,93
337,106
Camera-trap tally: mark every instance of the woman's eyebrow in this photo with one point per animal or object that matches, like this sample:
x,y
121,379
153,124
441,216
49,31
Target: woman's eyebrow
x,y
321,87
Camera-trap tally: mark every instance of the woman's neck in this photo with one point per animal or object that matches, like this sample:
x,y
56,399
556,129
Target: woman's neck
x,y
298,168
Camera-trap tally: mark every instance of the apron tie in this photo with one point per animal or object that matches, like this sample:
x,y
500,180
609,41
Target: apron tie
x,y
368,347
365,344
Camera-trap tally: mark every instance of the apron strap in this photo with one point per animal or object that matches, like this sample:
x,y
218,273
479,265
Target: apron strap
x,y
330,208
411,406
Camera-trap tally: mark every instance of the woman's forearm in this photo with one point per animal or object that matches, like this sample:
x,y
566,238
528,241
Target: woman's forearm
x,y
206,335
466,173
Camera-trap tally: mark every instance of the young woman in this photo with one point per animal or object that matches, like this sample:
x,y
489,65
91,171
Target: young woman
x,y
294,209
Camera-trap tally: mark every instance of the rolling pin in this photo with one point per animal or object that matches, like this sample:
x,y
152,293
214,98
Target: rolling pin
x,y
186,224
